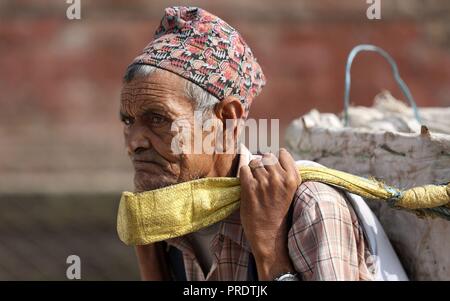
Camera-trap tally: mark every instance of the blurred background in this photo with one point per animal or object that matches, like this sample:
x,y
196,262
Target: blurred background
x,y
62,160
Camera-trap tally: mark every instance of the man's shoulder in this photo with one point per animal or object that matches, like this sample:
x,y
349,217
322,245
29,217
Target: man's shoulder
x,y
311,195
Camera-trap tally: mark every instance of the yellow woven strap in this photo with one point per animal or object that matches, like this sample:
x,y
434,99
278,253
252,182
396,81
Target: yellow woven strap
x,y
183,208
428,196
175,210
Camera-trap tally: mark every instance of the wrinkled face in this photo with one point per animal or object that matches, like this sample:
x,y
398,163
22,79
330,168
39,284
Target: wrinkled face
x,y
149,106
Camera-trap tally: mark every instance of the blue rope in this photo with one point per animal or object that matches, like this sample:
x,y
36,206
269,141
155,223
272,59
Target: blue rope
x,y
401,83
396,195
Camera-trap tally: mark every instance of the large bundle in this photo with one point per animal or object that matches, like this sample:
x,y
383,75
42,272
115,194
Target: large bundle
x,y
389,143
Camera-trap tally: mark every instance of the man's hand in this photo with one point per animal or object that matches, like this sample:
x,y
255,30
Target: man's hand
x,y
268,186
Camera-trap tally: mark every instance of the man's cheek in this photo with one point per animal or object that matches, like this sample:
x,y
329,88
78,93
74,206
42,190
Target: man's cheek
x,y
171,148
180,139
126,141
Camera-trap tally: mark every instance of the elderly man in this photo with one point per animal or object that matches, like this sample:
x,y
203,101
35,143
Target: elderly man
x,y
197,62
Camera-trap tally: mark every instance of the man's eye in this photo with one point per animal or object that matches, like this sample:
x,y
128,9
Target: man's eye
x,y
127,120
157,119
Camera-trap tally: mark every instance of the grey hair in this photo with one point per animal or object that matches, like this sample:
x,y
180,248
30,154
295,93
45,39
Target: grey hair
x,y
203,100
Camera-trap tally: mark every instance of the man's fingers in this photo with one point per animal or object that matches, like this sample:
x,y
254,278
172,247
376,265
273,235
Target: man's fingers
x,y
257,169
245,174
288,164
286,161
271,163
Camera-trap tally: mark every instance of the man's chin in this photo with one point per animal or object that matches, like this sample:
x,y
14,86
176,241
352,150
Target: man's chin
x,y
150,182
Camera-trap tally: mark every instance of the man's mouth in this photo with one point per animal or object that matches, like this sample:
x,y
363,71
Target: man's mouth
x,y
144,164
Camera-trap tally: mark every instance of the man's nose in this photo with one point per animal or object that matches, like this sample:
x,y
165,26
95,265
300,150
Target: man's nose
x,y
137,140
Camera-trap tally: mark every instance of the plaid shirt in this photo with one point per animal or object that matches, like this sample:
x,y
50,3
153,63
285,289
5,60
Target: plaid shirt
x,y
325,242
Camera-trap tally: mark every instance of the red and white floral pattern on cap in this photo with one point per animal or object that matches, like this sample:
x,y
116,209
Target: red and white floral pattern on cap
x,y
204,49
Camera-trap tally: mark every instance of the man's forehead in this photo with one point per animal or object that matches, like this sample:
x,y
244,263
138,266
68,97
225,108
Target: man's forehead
x,y
160,90
158,81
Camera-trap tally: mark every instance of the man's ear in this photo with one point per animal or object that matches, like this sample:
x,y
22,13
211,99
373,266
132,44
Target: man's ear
x,y
233,110
229,108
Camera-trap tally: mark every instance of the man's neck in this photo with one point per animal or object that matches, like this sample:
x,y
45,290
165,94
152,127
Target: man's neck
x,y
225,166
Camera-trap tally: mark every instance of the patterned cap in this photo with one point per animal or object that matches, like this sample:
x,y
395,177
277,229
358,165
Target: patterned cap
x,y
204,49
